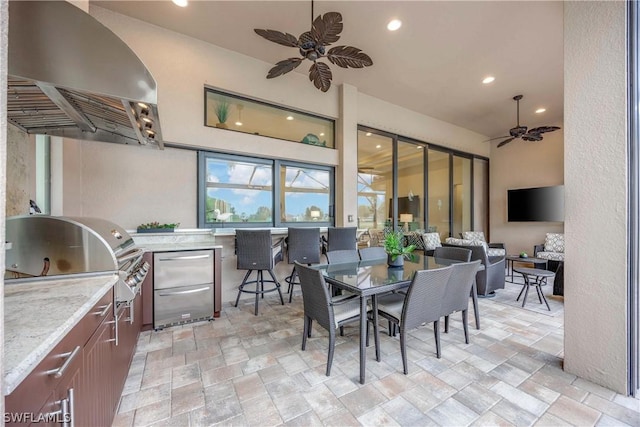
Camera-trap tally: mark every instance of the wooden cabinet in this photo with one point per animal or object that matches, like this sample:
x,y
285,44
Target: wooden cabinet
x,y
85,373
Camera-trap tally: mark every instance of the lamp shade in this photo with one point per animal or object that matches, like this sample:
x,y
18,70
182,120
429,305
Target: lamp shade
x,y
315,214
406,217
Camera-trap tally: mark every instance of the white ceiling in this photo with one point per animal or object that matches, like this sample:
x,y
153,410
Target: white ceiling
x,y
433,65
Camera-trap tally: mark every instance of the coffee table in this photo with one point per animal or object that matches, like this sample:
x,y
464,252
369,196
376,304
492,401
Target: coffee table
x,y
516,258
540,278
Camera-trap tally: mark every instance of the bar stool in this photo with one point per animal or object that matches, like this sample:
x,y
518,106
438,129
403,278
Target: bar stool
x,y
255,251
303,245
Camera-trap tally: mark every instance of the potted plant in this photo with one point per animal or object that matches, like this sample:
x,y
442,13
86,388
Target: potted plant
x,y
156,227
222,112
395,248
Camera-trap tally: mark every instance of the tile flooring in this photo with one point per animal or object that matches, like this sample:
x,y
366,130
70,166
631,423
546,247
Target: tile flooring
x,y
249,370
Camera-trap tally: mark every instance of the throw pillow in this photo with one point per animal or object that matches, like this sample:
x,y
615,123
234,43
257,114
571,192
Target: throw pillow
x,y
474,235
431,241
554,242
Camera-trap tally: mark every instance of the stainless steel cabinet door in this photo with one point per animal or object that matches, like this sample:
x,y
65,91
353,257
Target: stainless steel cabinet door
x,y
184,268
182,304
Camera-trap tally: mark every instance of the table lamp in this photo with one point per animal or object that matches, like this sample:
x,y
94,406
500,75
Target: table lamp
x,y
315,215
406,218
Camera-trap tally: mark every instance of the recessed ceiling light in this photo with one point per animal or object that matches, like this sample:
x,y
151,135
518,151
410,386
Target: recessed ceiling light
x,y
181,3
540,110
368,134
419,147
321,133
238,123
488,79
394,24
289,117
378,146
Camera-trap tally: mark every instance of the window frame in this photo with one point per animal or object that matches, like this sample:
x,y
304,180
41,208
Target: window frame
x,y
276,192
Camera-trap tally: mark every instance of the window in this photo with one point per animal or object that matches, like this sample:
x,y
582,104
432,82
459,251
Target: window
x,y
241,191
232,112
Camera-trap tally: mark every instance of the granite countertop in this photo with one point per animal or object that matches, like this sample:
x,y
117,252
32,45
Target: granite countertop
x,y
179,246
39,313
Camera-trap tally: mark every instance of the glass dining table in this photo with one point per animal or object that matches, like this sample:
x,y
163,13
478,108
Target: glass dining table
x,y
373,277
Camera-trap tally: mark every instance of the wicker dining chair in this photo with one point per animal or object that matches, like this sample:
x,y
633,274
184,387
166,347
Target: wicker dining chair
x,y
340,238
255,252
372,253
329,313
303,245
343,256
456,296
452,253
422,304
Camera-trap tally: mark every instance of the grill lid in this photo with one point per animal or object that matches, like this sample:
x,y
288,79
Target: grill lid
x,y
71,76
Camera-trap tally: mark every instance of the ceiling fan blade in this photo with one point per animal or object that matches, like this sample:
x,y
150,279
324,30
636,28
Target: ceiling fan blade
x,y
497,137
349,57
283,67
505,142
320,75
326,28
284,39
532,137
543,129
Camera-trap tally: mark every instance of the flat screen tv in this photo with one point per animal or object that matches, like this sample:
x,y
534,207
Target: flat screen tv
x,y
406,205
536,204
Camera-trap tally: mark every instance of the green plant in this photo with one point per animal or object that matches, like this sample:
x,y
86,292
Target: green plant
x,y
222,111
394,245
156,224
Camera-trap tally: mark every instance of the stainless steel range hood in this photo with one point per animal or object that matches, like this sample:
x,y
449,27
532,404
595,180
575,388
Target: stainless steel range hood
x,y
71,76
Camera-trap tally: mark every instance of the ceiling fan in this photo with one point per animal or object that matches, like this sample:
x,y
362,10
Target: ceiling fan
x,y
521,132
325,29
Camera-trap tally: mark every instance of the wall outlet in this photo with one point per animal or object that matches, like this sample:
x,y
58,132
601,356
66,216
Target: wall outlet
x,y
350,218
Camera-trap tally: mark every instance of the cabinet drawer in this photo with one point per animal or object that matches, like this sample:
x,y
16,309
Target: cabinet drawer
x,y
32,392
183,268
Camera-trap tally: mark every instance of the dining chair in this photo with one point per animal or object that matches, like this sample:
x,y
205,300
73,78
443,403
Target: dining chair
x,y
303,245
343,256
422,304
372,253
256,252
456,296
329,313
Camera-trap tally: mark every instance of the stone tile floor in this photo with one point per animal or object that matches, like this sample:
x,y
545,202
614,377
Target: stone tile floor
x,y
249,370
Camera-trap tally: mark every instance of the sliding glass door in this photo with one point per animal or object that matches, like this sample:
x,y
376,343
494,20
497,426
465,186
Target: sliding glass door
x,y
439,192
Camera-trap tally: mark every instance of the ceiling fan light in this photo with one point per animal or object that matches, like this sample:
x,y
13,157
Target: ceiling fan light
x,y
540,110
488,79
394,25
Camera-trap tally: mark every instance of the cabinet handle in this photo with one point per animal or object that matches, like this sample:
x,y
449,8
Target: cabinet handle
x,y
115,322
190,291
71,405
179,258
105,310
57,373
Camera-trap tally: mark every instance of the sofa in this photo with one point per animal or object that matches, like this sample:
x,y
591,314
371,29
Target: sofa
x,y
492,277
553,251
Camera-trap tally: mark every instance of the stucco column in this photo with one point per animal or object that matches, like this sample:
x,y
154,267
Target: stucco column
x,y
4,48
347,170
595,137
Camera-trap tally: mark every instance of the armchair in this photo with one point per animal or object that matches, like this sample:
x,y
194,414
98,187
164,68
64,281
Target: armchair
x,y
553,251
492,277
493,249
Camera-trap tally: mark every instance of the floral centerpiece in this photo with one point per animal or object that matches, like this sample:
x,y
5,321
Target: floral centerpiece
x,y
394,246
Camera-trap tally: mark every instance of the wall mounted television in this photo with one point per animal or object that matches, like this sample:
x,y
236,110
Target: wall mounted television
x,y
406,205
536,204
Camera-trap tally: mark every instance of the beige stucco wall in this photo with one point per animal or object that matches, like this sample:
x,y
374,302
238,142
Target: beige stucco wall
x,y
4,29
521,164
596,192
20,171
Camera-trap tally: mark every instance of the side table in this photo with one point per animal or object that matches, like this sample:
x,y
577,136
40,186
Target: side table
x,y
540,278
516,258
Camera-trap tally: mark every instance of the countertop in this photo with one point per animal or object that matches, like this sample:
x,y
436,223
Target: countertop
x,y
175,246
38,314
